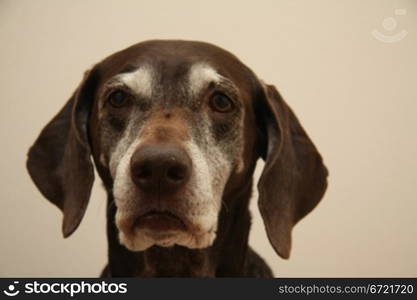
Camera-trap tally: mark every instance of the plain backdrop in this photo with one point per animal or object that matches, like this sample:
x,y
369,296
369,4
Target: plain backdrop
x,y
355,94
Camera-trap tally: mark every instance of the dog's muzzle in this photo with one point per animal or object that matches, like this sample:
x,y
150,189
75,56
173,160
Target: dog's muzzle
x,y
160,172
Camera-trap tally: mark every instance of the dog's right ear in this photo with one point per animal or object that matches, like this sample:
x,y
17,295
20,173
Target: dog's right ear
x,y
294,178
59,161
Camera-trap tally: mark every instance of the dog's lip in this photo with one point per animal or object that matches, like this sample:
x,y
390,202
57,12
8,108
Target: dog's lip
x,y
160,221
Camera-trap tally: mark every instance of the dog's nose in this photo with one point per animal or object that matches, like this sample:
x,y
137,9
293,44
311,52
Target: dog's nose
x,y
160,168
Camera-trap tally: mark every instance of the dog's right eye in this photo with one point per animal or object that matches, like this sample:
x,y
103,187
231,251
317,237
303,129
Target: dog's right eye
x,y
221,103
118,98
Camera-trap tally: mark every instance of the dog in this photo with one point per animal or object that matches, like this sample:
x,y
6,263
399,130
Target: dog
x,y
174,129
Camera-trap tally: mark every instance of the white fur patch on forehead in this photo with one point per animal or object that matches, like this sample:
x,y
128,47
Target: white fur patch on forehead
x,y
200,74
141,81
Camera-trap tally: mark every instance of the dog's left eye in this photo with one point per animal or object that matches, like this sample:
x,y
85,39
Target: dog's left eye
x,y
221,103
118,98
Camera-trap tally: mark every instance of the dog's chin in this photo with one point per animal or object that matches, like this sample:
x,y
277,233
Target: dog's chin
x,y
160,230
141,240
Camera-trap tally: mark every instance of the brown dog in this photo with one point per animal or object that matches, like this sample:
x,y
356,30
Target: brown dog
x,y
175,129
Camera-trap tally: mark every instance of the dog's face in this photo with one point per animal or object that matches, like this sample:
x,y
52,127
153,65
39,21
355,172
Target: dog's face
x,y
175,129
168,128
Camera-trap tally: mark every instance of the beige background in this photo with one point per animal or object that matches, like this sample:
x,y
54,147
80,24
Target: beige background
x,y
355,95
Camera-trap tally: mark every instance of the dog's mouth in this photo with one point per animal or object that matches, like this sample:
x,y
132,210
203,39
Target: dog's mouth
x,y
161,228
160,221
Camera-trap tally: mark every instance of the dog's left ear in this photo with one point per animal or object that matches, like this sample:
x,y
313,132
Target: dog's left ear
x,y
294,178
59,161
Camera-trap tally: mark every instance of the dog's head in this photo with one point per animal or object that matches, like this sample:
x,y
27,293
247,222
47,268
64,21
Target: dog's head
x,y
175,129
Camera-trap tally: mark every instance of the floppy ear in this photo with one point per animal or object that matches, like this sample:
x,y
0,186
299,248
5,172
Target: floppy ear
x,y
59,160
294,178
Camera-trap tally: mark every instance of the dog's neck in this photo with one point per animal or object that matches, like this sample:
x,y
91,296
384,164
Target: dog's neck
x,y
225,258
